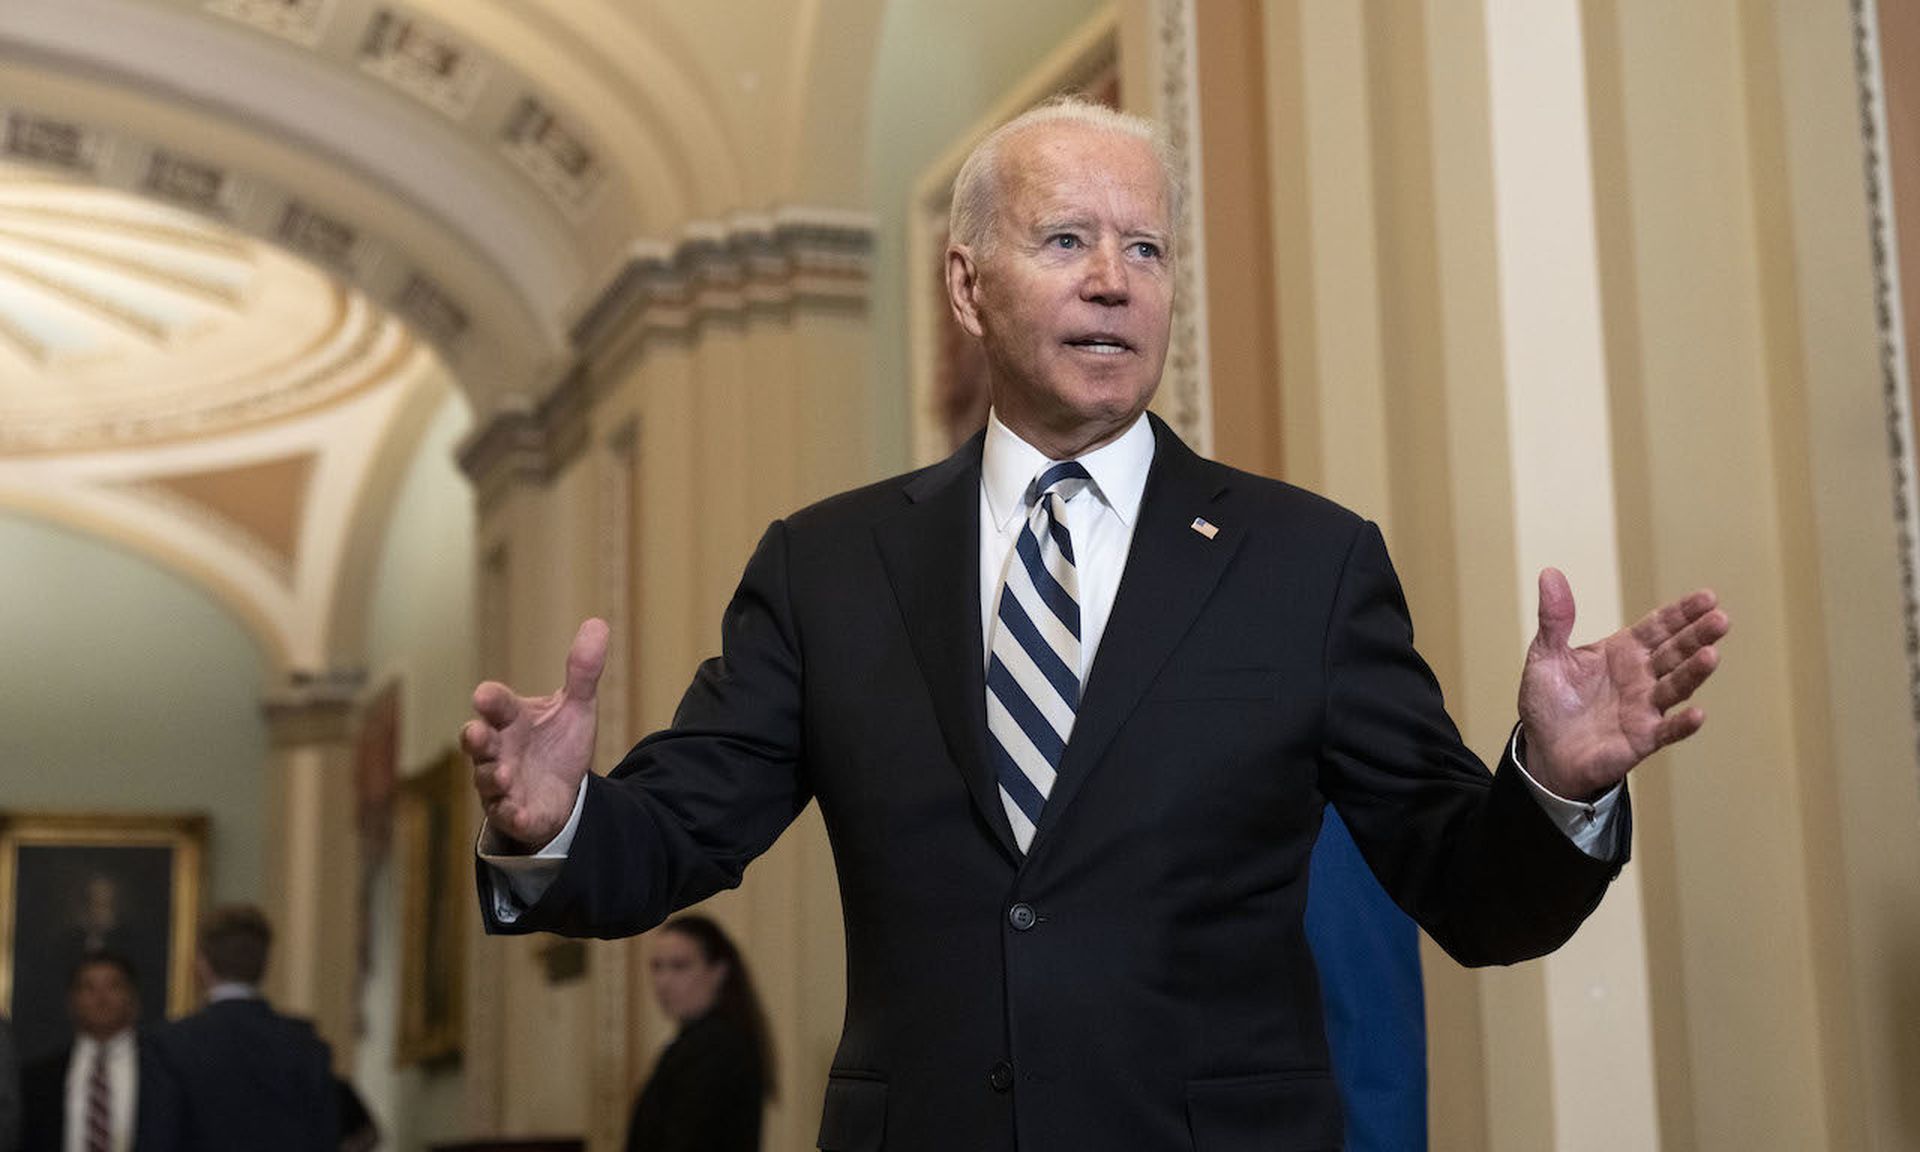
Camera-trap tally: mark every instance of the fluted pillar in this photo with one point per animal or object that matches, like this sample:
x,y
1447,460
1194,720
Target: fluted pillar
x,y
313,858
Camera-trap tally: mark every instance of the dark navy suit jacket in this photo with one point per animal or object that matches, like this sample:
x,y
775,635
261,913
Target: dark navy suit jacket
x,y
43,1115
1140,978
240,1077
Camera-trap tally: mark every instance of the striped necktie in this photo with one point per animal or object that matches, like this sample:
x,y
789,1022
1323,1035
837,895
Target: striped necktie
x,y
99,1117
1033,668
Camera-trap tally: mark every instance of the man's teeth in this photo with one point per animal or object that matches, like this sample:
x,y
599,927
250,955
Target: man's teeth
x,y
1108,347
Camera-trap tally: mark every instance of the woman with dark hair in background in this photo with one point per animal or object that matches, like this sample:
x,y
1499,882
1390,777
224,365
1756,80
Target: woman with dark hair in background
x,y
707,1091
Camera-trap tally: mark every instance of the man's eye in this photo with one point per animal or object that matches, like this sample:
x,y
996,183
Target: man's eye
x,y
1065,241
1146,250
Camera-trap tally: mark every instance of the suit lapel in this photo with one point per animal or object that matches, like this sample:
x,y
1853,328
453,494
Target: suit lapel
x,y
932,556
1171,570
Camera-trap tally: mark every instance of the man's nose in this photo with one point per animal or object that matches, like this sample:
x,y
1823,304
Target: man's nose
x,y
1106,275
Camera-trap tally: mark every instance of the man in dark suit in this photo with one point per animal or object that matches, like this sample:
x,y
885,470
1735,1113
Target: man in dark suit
x,y
9,1090
242,1077
1071,703
99,1094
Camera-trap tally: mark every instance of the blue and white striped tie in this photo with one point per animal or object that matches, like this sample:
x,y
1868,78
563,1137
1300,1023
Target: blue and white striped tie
x,y
1033,665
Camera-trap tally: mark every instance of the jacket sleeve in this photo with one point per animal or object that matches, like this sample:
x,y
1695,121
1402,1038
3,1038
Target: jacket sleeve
x,y
1468,854
688,808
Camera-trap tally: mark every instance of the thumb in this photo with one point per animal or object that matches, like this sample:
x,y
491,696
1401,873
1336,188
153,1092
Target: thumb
x,y
1556,610
586,659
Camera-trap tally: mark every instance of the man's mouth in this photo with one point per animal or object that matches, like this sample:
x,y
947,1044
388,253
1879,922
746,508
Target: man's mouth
x,y
1103,343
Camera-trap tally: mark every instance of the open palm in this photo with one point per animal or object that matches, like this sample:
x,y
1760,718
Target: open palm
x,y
1590,714
530,752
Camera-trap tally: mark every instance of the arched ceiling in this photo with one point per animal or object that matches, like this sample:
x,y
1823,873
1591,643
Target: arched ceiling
x,y
196,394
241,239
125,323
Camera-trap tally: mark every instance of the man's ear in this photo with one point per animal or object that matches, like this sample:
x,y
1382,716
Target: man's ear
x,y
963,286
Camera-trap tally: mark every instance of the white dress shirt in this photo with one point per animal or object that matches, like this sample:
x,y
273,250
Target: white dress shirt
x,y
123,1085
1101,519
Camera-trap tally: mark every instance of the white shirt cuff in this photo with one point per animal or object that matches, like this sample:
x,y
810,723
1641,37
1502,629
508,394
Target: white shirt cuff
x,y
519,880
1591,826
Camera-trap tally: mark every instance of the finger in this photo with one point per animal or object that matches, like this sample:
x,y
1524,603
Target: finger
x,y
1666,621
1679,726
1685,680
479,740
492,782
586,659
496,703
1708,629
1556,610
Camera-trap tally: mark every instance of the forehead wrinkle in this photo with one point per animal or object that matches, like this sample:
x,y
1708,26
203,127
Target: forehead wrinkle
x,y
1066,205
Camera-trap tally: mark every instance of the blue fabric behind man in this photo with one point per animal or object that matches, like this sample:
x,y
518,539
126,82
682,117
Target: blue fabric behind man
x,y
1368,953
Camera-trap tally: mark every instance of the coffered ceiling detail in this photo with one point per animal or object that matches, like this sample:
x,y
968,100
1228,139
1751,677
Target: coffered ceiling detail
x,y
266,501
124,322
246,244
197,393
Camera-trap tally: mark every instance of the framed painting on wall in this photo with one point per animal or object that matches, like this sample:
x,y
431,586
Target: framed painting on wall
x,y
436,894
77,883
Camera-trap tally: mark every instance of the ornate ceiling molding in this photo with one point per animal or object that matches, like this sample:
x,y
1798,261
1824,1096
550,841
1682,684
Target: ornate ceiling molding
x,y
795,258
354,250
1896,384
1185,397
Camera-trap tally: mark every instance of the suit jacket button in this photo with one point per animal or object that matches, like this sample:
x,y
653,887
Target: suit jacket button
x,y
1022,917
1001,1077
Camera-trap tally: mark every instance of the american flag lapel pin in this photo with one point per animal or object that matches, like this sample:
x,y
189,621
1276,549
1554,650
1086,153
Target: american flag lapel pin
x,y
1201,526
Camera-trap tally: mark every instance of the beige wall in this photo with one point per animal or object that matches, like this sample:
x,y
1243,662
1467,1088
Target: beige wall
x,y
1651,358
696,425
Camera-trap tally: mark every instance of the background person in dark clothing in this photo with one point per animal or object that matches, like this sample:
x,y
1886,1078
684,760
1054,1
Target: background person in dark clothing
x,y
243,1077
9,1090
706,1092
359,1132
105,1084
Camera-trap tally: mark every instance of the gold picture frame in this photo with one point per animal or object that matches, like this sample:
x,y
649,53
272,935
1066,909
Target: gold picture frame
x,y
436,865
74,883
947,372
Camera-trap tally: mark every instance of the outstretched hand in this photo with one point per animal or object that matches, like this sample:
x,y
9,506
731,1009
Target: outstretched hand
x,y
1590,714
530,752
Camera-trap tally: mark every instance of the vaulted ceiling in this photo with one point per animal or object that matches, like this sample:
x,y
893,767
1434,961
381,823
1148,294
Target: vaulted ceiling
x,y
246,244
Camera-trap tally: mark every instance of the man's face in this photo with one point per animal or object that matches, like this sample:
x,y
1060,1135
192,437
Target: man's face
x,y
102,1001
1073,297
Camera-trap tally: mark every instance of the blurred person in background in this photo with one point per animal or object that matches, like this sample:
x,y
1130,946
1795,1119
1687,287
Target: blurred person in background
x,y
240,1076
359,1131
99,1094
707,1090
9,1091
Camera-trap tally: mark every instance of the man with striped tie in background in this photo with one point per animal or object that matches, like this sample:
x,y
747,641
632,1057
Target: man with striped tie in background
x,y
1072,703
97,1095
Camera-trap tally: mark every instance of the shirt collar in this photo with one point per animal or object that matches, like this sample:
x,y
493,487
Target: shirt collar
x,y
122,1040
232,990
1119,469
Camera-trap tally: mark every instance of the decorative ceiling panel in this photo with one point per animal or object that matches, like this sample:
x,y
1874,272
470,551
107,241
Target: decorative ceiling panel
x,y
266,500
124,322
301,21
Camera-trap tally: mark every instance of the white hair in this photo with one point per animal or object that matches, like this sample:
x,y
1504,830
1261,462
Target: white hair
x,y
976,190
